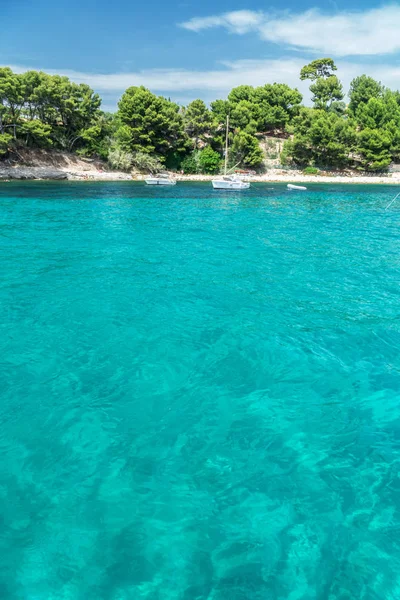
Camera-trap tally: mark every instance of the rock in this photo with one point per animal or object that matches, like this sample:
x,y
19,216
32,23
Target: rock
x,y
31,173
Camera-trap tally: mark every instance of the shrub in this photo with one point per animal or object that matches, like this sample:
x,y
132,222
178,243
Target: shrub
x,y
189,164
5,142
119,159
310,171
286,154
173,161
209,161
146,162
246,150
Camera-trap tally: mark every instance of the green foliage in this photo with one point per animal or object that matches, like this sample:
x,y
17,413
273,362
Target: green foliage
x,y
68,108
5,142
244,115
123,161
46,110
377,113
246,150
95,140
11,97
37,134
149,123
311,171
362,89
209,161
189,164
240,93
220,109
368,136
173,160
262,109
50,111
278,104
298,151
287,153
119,159
123,136
197,121
374,147
327,91
337,107
322,67
144,162
322,138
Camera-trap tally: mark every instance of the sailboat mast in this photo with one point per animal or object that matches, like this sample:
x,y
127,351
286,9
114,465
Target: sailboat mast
x,y
226,144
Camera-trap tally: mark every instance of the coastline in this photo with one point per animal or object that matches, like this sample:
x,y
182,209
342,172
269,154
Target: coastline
x,y
96,172
298,177
48,165
278,176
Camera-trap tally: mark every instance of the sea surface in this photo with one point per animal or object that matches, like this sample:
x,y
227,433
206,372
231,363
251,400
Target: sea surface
x,y
200,392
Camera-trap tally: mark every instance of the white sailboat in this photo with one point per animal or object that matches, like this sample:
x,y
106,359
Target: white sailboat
x,y
160,179
229,182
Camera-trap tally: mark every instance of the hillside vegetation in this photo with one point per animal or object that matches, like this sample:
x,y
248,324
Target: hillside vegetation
x,y
149,132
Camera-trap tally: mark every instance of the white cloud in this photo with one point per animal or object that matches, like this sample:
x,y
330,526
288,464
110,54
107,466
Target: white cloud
x,y
239,21
344,33
228,75
184,85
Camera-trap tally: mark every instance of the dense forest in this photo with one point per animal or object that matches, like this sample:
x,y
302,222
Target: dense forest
x,y
150,132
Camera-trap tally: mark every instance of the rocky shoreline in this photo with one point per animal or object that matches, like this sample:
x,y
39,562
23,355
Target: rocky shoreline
x,y
8,173
39,164
96,172
50,173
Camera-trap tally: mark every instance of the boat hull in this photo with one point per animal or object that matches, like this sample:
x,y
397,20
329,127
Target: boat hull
x,y
230,185
152,181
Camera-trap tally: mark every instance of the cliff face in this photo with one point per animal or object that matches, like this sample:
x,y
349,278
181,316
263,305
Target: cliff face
x,y
272,148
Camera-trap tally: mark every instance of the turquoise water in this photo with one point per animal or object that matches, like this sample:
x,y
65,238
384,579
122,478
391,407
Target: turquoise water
x,y
200,393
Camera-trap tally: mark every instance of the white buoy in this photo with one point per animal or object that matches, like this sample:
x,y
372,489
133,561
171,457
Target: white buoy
x,y
290,186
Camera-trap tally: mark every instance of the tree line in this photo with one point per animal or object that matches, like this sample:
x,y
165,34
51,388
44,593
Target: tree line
x,y
151,132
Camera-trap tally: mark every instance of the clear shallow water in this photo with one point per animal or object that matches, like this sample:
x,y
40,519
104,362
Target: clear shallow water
x,y
199,393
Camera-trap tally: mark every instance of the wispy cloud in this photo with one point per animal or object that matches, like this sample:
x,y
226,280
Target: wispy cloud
x,y
184,85
238,21
223,78
345,33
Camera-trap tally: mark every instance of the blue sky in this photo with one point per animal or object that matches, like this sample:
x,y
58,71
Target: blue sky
x,y
185,49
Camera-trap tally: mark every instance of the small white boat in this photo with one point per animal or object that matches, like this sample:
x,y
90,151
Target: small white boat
x,y
230,182
160,179
290,186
